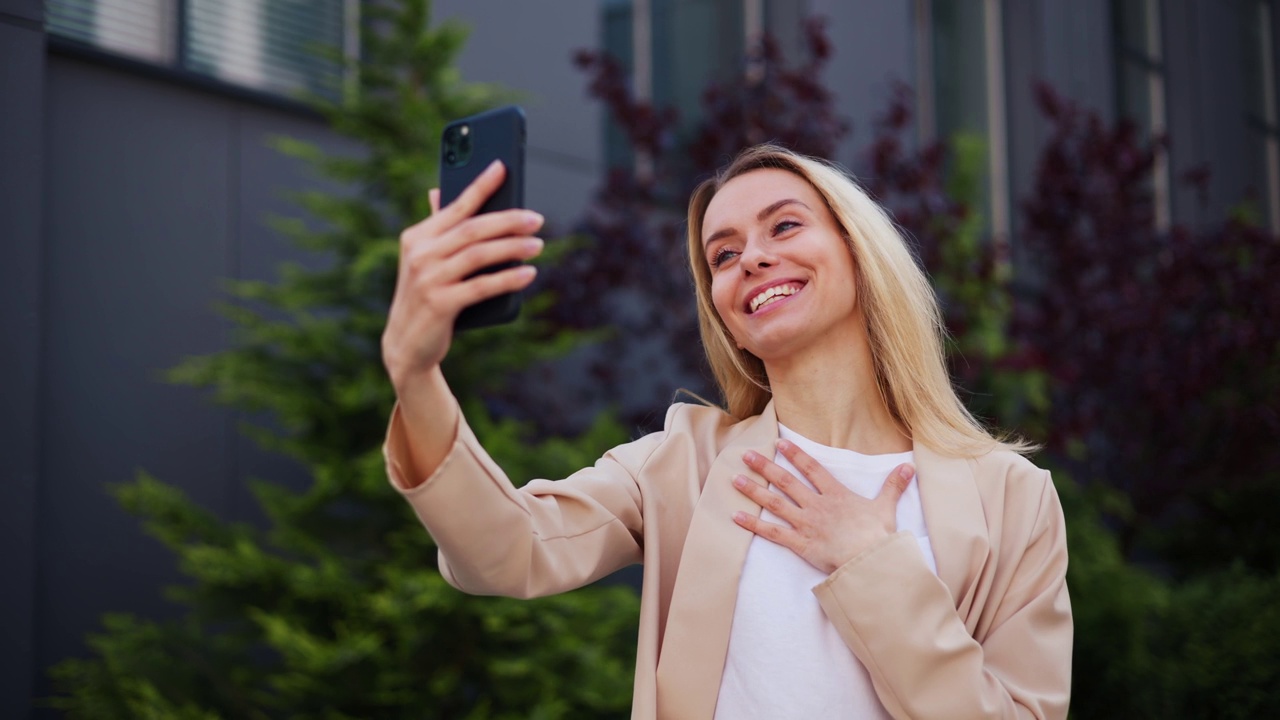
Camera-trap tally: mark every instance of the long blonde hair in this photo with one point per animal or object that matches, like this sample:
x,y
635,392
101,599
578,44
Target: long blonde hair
x,y
904,322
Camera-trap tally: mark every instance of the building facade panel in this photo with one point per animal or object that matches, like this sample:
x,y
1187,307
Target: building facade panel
x,y
22,78
528,47
873,48
125,195
32,10
137,231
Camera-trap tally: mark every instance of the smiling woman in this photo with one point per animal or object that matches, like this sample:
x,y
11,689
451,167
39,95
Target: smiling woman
x,y
842,540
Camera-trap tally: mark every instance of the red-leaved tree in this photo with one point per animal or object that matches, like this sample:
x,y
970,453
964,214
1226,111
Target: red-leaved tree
x,y
1163,349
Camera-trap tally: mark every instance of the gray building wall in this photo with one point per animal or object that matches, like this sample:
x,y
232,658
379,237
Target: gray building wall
x,y
155,192
873,48
22,82
124,197
1207,97
1067,45
529,47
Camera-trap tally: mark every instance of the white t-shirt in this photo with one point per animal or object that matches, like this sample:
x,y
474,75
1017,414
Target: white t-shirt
x,y
786,659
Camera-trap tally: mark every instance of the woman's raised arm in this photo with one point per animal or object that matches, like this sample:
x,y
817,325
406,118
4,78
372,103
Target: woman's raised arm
x,y
439,258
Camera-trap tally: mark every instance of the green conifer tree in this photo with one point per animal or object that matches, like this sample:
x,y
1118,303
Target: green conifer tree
x,y
335,608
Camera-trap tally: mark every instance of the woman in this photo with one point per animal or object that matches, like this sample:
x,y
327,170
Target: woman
x,y
791,566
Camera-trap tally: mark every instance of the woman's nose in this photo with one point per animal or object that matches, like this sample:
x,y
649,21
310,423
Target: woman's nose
x,y
755,256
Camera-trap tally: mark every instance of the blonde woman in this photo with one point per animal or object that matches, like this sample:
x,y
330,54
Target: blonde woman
x,y
843,540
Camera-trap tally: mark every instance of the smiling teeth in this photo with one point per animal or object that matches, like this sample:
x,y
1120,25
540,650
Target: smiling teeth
x,y
770,293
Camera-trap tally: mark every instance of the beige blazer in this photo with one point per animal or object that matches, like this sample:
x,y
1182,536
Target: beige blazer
x,y
988,636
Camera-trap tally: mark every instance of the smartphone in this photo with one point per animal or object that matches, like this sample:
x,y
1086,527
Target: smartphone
x,y
466,149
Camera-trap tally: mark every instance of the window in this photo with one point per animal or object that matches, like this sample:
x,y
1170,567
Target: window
x,y
1140,81
618,36
1258,17
695,42
266,45
960,87
673,50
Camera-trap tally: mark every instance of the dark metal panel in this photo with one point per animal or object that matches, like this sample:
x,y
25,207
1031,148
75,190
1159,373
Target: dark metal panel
x,y
529,47
21,184
137,228
1068,46
31,10
1078,56
1024,67
263,178
1208,103
873,48
156,192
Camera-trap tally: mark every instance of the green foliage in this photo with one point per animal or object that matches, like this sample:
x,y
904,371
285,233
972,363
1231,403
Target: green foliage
x,y
972,274
1150,648
1148,644
334,609
1221,647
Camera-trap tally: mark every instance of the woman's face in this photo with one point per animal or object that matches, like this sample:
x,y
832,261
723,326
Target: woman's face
x,y
782,276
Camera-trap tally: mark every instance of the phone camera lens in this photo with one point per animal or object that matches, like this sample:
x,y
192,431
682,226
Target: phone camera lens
x,y
451,157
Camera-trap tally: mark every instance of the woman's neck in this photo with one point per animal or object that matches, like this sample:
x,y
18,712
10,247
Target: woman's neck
x,y
829,395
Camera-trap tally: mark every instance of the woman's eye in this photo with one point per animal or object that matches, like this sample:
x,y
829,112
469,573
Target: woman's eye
x,y
784,225
721,256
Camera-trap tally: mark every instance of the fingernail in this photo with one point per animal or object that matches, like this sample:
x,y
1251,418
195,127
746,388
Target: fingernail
x,y
533,219
783,445
750,456
526,271
739,516
739,481
533,244
906,472
493,167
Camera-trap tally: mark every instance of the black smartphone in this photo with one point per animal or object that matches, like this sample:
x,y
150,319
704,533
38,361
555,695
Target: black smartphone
x,y
466,149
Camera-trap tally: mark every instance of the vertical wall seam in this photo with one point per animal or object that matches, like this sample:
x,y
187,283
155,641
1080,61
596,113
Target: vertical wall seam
x,y
44,270
997,128
234,270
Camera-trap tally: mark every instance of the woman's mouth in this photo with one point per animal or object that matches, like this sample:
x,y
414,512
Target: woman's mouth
x,y
772,294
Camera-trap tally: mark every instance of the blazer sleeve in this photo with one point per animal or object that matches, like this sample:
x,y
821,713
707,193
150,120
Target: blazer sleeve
x,y
543,538
899,619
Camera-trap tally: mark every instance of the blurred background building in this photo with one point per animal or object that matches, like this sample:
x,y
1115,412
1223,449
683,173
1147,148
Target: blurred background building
x,y
134,173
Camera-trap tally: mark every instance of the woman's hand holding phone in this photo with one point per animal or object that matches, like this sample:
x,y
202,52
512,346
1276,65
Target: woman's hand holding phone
x,y
439,261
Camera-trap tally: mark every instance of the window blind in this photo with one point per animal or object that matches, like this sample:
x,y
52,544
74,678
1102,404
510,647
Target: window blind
x,y
269,45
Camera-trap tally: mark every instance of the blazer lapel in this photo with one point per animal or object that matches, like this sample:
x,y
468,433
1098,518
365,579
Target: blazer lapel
x,y
696,640
956,521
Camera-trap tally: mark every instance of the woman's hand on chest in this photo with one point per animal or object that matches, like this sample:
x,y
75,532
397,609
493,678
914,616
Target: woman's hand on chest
x,y
828,524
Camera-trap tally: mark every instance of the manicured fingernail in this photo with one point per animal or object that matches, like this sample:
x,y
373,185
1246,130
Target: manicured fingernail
x,y
533,219
750,456
493,167
526,271
783,445
906,472
739,517
533,244
739,481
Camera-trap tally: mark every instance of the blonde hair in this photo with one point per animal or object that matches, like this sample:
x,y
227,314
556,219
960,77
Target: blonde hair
x,y
904,322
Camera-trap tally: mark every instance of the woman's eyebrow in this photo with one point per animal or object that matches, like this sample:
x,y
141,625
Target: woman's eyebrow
x,y
760,216
774,207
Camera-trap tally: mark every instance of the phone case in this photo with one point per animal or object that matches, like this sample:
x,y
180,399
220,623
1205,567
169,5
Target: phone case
x,y
494,135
